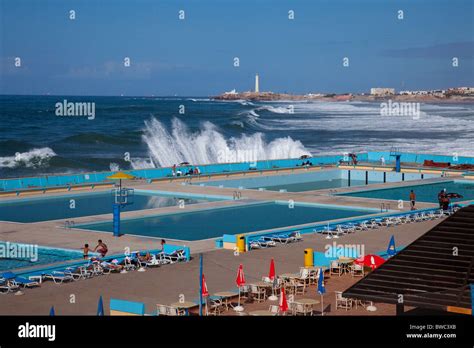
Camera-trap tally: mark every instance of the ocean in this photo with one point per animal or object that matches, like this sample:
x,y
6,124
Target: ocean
x,y
146,132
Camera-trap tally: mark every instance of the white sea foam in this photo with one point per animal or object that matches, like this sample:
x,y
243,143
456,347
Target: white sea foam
x,y
34,158
177,144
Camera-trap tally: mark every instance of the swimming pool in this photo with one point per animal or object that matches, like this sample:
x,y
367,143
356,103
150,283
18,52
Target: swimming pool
x,y
211,223
71,206
424,193
295,182
28,255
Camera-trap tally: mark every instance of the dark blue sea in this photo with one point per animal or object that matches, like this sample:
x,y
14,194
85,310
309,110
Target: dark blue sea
x,y
143,132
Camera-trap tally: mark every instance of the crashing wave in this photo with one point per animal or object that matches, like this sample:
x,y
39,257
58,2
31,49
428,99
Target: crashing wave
x,y
207,145
35,158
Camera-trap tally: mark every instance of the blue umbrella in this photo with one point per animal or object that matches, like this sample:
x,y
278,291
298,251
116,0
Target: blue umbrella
x,y
391,250
51,312
100,307
321,288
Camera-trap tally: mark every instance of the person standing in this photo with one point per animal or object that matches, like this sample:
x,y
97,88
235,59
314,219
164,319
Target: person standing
x,y
412,200
101,248
382,161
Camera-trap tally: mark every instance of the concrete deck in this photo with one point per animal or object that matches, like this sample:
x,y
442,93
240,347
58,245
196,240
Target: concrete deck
x,y
165,284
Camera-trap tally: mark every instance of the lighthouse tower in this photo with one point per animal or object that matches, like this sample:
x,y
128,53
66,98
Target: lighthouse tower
x,y
257,88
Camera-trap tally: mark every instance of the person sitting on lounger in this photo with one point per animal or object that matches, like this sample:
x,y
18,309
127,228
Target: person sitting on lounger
x,y
101,248
145,258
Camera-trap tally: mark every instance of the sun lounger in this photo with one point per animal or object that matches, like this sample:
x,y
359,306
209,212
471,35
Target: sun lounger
x,y
24,282
261,244
175,256
7,286
59,276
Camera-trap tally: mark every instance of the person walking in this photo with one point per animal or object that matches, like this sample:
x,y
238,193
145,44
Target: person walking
x,y
412,200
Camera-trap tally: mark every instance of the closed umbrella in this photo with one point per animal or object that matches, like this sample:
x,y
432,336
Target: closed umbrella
x,y
240,281
100,307
271,276
321,288
283,303
204,291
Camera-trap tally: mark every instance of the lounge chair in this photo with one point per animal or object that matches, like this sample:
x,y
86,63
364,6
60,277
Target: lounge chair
x,y
281,238
24,282
7,286
175,256
154,262
262,244
59,276
296,235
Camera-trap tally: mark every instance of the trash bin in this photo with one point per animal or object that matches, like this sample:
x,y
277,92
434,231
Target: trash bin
x,y
241,243
308,257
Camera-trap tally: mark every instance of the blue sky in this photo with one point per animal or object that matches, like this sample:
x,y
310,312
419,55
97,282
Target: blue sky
x,y
195,56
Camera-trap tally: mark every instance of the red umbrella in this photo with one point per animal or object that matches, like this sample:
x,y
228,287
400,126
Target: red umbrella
x,y
240,281
271,274
283,302
205,293
372,261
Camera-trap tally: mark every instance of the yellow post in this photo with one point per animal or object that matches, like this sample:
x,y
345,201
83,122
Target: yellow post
x,y
240,243
308,257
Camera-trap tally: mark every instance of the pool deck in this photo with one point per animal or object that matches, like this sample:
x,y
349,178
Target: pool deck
x,y
165,284
54,234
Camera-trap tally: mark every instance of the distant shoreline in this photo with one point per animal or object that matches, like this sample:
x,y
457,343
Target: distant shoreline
x,y
269,96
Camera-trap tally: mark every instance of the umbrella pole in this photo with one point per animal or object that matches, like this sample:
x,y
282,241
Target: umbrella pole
x,y
322,305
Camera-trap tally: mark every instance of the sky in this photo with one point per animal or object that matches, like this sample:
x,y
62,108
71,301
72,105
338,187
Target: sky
x,y
195,56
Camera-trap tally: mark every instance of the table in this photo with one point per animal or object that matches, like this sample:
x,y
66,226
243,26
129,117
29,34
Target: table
x,y
308,303
263,284
186,305
262,313
225,295
290,275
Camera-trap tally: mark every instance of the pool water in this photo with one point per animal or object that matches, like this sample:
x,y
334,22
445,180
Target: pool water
x,y
61,207
316,185
32,258
424,193
212,223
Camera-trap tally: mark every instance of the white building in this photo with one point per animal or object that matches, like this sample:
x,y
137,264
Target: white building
x,y
382,91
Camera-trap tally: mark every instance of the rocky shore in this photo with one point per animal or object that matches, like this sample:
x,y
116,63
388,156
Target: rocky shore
x,y
270,96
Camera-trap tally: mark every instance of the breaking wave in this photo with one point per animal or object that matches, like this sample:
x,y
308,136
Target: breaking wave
x,y
207,145
35,158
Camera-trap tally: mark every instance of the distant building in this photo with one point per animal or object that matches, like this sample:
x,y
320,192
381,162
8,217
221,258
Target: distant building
x,y
382,91
231,92
461,90
257,87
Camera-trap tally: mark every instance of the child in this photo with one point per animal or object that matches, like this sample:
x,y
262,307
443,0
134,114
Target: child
x,y
86,251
